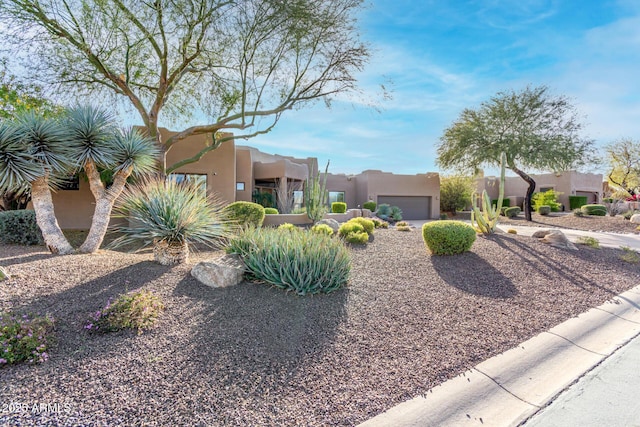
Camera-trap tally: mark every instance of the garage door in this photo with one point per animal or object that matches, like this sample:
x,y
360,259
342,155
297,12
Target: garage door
x,y
413,207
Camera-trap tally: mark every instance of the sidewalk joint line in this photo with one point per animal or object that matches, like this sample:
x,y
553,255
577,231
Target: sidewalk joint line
x,y
577,345
508,391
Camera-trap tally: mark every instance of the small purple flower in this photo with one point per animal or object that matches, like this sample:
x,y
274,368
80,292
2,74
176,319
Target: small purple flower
x,y
3,361
89,326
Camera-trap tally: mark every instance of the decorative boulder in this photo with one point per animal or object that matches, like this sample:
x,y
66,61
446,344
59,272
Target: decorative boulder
x,y
335,225
635,219
3,274
221,272
555,238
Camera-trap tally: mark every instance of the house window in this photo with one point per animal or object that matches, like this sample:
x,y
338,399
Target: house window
x,y
70,183
239,186
336,196
197,179
545,189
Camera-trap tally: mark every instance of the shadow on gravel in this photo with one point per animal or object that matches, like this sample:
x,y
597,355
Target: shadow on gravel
x,y
470,273
24,259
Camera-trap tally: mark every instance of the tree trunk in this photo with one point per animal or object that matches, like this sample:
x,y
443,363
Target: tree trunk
x,y
46,218
170,253
104,205
530,190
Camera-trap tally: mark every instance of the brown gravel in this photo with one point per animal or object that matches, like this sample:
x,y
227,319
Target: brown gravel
x,y
256,356
609,224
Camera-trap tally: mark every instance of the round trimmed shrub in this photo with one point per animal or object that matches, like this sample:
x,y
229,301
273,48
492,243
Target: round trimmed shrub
x,y
338,207
544,209
245,213
371,205
322,229
287,226
357,238
512,212
271,211
595,209
367,224
350,227
448,237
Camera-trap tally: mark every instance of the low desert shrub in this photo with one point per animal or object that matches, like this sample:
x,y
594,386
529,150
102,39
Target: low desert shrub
x,y
287,226
367,224
357,238
448,237
387,212
628,214
322,229
135,310
544,209
578,212
596,210
271,211
20,227
350,227
403,226
592,242
305,262
512,231
444,216
338,207
512,212
371,205
576,202
629,255
378,223
24,338
246,214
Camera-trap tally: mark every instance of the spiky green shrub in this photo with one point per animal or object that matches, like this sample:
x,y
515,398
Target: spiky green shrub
x,y
315,195
512,212
384,211
367,224
548,198
322,229
305,262
543,209
595,209
576,202
378,223
20,227
287,226
167,211
448,237
371,205
396,213
271,211
135,310
338,207
245,214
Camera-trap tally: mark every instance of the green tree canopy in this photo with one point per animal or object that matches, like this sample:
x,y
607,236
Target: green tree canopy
x,y
535,129
623,158
240,64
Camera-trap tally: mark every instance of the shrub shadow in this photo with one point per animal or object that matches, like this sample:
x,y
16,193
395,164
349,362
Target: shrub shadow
x,y
472,274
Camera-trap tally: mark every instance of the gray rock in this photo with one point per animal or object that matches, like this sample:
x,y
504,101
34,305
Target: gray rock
x,y
335,225
221,272
635,219
3,274
555,238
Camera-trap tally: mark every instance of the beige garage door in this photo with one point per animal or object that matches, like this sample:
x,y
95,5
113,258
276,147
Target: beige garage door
x,y
413,207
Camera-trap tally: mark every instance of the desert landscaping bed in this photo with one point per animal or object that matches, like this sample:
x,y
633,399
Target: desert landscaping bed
x,y
252,355
609,224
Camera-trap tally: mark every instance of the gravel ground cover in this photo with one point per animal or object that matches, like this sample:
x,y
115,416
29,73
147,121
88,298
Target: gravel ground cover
x,y
252,355
609,224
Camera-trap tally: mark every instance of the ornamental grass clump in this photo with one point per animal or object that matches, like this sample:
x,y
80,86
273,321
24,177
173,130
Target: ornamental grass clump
x,y
304,262
24,338
135,310
171,216
448,237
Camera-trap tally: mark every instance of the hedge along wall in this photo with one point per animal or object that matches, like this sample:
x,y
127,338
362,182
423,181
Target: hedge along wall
x,y
576,202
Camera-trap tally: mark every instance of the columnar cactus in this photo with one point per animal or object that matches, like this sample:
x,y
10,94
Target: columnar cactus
x,y
485,221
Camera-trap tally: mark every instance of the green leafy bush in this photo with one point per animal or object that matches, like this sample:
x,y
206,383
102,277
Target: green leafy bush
x,y
20,227
544,209
338,207
595,209
548,198
305,262
245,213
24,339
455,192
136,310
322,229
576,202
448,237
371,205
287,226
512,212
350,227
367,224
271,211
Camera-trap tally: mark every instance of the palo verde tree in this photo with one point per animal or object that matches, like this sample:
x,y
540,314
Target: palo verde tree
x,y
535,129
239,63
624,166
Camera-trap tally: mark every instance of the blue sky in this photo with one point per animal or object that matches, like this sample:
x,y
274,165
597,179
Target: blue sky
x,y
439,57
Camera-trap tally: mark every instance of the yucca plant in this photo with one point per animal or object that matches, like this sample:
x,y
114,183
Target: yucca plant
x,y
99,145
47,157
171,216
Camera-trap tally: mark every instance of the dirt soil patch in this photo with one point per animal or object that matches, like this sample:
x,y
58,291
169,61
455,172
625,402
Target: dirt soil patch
x,y
252,355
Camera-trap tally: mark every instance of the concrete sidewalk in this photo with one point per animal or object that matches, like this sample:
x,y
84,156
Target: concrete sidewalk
x,y
510,388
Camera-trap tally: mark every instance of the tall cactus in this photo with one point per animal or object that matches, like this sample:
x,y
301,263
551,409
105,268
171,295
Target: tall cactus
x,y
485,221
315,195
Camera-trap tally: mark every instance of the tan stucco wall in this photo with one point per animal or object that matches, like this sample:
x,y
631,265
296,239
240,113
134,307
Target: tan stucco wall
x,y
346,183
74,208
244,174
